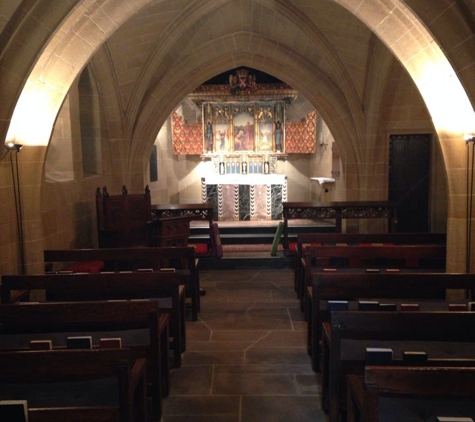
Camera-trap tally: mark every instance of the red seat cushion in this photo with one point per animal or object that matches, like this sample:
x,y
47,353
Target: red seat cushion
x,y
201,248
85,267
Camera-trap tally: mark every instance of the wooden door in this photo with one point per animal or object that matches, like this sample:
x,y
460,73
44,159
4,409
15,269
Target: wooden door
x,y
409,178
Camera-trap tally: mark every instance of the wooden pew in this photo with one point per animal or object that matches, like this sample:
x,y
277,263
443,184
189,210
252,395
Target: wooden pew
x,y
440,383
62,367
331,239
116,259
112,286
21,322
428,287
414,257
367,328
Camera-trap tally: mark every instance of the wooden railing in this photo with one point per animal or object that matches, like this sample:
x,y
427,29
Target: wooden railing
x,y
337,211
193,211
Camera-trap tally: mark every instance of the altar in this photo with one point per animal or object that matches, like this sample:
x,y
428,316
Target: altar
x,y
250,197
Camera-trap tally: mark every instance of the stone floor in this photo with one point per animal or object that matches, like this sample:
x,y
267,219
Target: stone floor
x,y
246,357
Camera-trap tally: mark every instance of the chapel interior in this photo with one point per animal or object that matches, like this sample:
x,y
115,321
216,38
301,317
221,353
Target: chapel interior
x,y
244,104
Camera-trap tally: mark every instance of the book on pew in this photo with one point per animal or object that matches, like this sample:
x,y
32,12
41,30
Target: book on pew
x,y
453,419
110,343
387,307
414,357
79,342
458,307
368,305
145,270
409,307
393,270
372,270
41,345
378,356
337,305
14,410
167,270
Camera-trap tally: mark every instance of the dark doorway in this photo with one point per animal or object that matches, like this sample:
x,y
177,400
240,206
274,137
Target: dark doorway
x,y
409,169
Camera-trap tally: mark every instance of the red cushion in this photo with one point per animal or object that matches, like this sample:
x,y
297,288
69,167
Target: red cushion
x,y
85,267
292,248
201,248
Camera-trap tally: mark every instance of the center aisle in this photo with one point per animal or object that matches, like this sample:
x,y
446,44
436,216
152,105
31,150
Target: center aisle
x,y
246,357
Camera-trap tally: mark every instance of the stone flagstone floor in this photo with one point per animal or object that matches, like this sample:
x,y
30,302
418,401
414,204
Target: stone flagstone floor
x,y
246,357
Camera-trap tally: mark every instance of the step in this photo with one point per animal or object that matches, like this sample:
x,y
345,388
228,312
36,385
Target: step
x,y
257,234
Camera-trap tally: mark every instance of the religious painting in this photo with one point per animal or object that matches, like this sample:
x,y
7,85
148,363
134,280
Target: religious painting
x,y
222,137
243,131
265,136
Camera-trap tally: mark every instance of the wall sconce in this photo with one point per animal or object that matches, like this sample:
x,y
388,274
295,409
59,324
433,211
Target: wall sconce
x,y
324,182
13,148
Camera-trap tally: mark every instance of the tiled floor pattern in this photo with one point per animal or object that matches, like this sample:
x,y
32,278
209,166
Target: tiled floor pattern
x,y
246,357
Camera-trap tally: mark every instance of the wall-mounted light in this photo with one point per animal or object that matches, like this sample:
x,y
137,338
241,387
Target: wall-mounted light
x,y
11,146
324,182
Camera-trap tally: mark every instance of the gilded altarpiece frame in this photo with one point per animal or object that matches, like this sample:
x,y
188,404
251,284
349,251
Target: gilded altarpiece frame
x,y
244,127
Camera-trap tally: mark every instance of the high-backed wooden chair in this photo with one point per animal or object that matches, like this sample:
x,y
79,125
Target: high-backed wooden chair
x,y
123,220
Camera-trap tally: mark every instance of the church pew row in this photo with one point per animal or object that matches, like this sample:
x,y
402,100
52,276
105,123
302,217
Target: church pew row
x,y
410,258
381,393
428,289
304,240
441,335
166,287
140,325
106,384
119,259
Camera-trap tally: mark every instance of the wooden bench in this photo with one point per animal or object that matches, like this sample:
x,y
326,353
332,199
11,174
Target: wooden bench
x,y
112,286
442,384
412,287
22,322
116,259
414,257
60,368
332,239
369,328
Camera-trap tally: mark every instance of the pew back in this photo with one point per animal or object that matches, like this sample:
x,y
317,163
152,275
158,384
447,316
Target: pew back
x,y
98,317
361,328
113,286
394,286
71,366
308,239
133,259
444,384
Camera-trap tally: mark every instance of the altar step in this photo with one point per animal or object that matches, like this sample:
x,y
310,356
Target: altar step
x,y
256,232
247,244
